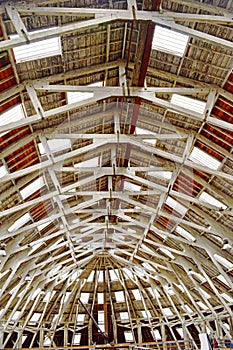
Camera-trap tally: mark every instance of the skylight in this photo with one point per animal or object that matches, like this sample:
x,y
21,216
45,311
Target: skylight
x,y
189,103
47,341
202,305
157,334
185,233
140,131
35,317
169,41
77,339
48,296
77,96
113,275
222,279
100,276
91,276
187,308
201,157
128,336
80,318
36,50
101,320
32,188
204,293
55,145
3,171
180,331
35,293
42,226
100,298
176,205
84,298
127,272
167,252
93,162
19,222
136,294
167,311
205,197
146,314
154,292
223,261
129,186
11,115
227,297
119,296
161,174
16,315
124,316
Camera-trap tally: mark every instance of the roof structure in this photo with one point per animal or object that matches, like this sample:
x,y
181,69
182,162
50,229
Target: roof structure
x,y
116,171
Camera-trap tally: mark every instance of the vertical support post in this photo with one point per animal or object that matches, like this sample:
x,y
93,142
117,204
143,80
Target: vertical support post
x,y
42,337
90,332
105,305
66,335
139,330
1,336
164,336
114,331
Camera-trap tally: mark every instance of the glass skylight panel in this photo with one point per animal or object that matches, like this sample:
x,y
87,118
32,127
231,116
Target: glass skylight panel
x,y
180,331
202,305
189,103
127,272
167,311
161,174
36,50
100,276
48,296
16,315
154,292
91,276
176,205
119,296
32,187
167,252
124,316
19,222
90,163
146,314
11,115
3,171
157,334
101,320
113,275
169,41
77,96
100,298
187,308
227,297
47,341
205,197
136,294
42,226
80,318
185,233
66,296
55,145
222,279
84,298
223,261
35,317
35,293
201,157
77,339
129,186
128,336
204,293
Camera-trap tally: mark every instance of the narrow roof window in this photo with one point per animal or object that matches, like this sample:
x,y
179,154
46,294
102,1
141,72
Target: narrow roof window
x,y
227,297
169,41
167,311
55,145
91,276
157,334
77,339
201,157
81,318
19,222
180,331
77,96
161,174
167,252
176,205
84,297
16,315
11,115
129,186
202,305
93,162
187,308
32,187
211,200
100,298
128,336
222,279
119,296
136,294
36,50
124,316
189,103
3,171
146,313
223,261
185,233
35,317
